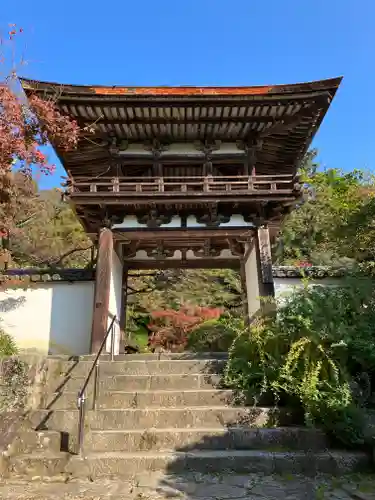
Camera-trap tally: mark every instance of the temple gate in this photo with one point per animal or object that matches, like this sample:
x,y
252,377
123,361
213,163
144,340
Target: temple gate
x,y
184,177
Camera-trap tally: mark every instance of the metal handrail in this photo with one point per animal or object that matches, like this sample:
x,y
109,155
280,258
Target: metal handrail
x,y
81,395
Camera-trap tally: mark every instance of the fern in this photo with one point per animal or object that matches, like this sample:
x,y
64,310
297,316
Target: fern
x,y
309,353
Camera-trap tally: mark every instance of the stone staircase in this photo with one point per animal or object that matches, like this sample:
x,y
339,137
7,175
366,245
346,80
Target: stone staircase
x,y
166,413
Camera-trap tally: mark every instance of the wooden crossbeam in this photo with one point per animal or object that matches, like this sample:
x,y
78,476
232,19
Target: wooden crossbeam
x,y
199,263
177,121
189,234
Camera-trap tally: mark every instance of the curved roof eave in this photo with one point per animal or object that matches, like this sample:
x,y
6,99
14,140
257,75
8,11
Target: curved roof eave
x,y
331,85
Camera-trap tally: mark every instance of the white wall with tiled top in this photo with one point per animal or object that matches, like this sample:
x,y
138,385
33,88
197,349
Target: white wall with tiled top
x,y
49,318
56,317
285,286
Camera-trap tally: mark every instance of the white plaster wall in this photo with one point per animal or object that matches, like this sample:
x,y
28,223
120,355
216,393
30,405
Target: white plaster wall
x,y
71,317
51,318
131,222
115,301
285,286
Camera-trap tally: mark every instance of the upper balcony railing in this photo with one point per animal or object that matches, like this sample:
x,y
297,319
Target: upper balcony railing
x,y
163,186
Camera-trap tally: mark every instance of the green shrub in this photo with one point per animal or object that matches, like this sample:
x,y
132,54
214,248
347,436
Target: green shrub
x,y
212,335
139,337
13,375
7,345
320,339
136,328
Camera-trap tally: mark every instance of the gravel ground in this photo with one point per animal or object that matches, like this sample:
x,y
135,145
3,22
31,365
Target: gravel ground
x,y
195,487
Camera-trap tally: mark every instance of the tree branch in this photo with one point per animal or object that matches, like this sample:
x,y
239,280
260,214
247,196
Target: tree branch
x,y
67,254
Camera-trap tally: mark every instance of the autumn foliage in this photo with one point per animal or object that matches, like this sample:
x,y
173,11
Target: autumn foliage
x,y
26,125
171,328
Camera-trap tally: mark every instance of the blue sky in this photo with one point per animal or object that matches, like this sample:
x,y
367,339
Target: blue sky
x,y
214,42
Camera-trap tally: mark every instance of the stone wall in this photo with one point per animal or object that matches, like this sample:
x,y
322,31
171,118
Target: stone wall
x,y
26,382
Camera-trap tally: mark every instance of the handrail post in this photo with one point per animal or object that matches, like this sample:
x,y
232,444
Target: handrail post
x,y
96,386
113,342
81,422
82,394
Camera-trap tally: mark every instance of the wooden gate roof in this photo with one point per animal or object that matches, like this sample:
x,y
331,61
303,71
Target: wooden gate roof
x,y
284,118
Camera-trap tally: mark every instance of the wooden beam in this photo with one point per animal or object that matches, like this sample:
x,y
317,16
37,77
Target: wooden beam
x,y
184,233
102,289
188,101
124,304
128,159
189,264
239,233
289,122
104,199
177,121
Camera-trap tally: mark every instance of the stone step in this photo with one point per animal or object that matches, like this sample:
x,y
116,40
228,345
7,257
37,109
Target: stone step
x,y
32,441
159,356
161,418
235,461
151,367
165,399
235,438
38,465
161,382
145,399
217,417
145,383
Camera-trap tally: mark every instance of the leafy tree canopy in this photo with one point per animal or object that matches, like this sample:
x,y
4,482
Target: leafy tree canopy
x,y
329,227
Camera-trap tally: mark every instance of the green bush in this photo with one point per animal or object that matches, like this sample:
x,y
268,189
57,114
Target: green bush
x,y
13,375
7,345
212,335
140,338
136,328
311,351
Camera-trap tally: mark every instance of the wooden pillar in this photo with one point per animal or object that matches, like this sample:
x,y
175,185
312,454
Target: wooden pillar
x,y
102,289
258,274
244,299
265,257
124,305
